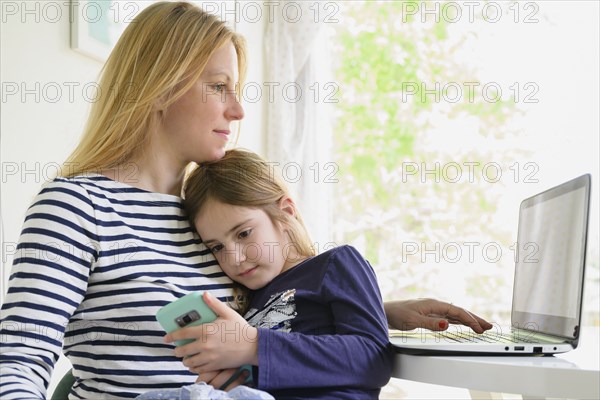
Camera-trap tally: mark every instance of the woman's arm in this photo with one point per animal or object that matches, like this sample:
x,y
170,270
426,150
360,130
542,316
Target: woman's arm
x,y
47,283
431,314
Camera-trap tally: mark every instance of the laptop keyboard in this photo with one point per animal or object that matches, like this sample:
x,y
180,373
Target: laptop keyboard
x,y
488,337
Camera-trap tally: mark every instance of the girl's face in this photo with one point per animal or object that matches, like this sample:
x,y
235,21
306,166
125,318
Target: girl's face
x,y
251,249
198,125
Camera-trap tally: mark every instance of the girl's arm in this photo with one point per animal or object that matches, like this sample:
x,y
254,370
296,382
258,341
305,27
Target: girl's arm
x,y
357,355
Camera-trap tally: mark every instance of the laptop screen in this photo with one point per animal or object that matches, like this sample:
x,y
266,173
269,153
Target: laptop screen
x,y
550,263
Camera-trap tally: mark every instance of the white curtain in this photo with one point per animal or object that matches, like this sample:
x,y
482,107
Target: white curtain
x,y
299,114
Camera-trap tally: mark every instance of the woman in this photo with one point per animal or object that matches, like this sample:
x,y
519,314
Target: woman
x,y
106,244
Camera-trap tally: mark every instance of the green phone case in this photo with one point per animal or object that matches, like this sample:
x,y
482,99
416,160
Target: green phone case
x,y
189,310
173,316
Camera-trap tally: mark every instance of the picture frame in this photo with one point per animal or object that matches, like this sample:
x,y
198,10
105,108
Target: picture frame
x,y
96,25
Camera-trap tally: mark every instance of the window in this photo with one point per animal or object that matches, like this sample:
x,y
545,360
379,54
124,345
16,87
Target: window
x,y
448,115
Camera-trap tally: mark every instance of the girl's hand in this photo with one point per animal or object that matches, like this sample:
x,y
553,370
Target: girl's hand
x,y
218,378
228,342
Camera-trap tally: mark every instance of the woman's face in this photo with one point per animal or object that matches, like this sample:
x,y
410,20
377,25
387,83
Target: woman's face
x,y
198,125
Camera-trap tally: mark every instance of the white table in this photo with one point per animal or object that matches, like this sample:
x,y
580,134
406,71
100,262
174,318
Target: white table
x,y
572,375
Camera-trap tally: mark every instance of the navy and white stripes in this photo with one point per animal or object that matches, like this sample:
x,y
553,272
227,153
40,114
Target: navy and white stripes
x,y
95,261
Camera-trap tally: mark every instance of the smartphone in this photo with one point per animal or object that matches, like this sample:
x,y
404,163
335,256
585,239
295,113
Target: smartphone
x,y
189,310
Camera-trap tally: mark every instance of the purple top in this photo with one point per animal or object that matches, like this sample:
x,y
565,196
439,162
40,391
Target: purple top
x,y
322,330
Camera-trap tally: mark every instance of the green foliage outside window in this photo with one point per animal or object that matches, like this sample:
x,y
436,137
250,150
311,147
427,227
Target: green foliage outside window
x,y
398,78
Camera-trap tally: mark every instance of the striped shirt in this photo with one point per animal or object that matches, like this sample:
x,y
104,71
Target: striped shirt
x,y
96,259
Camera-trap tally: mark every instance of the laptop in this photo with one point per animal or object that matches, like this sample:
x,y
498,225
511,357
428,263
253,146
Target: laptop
x,y
548,284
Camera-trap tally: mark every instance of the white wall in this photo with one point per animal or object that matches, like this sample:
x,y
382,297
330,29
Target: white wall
x,y
44,108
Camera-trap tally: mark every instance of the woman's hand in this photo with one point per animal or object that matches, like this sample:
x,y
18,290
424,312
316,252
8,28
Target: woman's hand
x,y
218,378
227,342
430,314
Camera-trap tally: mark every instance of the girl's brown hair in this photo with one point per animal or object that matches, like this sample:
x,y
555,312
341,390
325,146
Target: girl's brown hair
x,y
243,178
159,57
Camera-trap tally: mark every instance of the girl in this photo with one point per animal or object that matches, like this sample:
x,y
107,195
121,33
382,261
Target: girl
x,y
317,321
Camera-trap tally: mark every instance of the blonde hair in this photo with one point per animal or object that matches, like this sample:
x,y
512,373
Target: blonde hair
x,y
243,178
158,58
